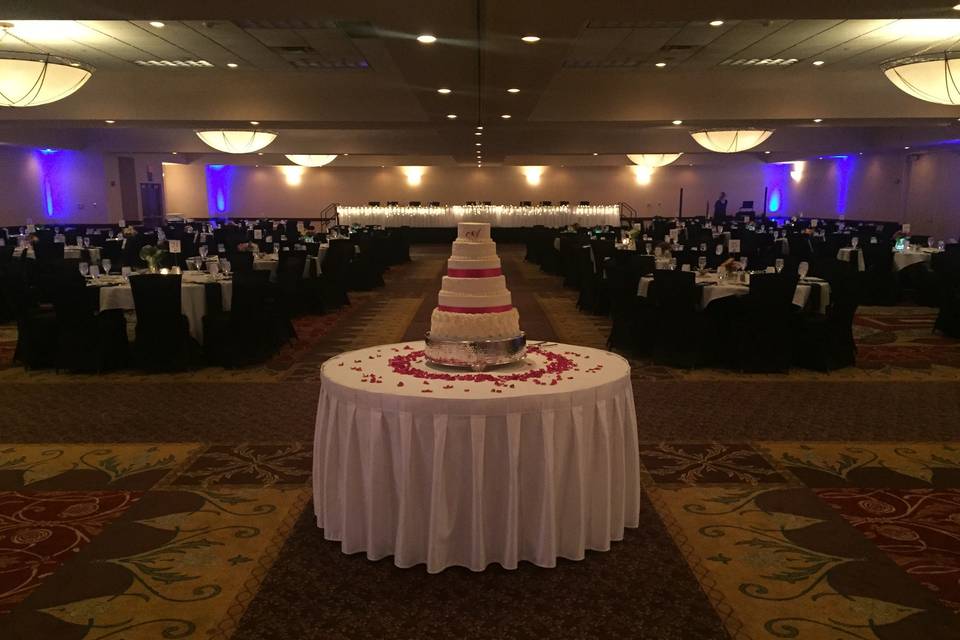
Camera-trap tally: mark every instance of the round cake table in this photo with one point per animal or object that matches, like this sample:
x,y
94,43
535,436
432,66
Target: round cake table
x,y
532,461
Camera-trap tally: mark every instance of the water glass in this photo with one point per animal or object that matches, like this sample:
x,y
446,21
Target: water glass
x,y
204,250
84,269
106,266
86,242
225,267
673,264
702,263
778,265
854,241
744,260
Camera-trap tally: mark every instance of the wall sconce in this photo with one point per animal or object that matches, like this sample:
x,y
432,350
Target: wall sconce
x,y
796,173
643,174
533,175
414,175
293,175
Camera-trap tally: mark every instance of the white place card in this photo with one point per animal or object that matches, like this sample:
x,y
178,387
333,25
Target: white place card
x,y
814,223
3,242
300,227
174,246
734,246
59,238
258,234
213,267
122,223
905,228
674,235
746,218
94,271
31,228
125,272
718,249
221,248
770,270
269,238
685,267
188,228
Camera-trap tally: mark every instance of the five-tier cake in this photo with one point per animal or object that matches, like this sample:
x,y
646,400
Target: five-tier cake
x,y
474,303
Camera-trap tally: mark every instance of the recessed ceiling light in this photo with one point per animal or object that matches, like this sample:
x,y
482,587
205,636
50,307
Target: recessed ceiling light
x,y
74,64
678,122
661,65
716,23
818,120
513,90
956,7
157,24
530,39
110,121
232,65
254,122
173,152
478,133
595,153
478,144
346,154
818,63
260,154
505,116
443,90
480,127
767,152
451,116
426,38
906,147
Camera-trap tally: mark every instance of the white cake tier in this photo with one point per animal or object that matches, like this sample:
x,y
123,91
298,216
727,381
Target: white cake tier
x,y
500,299
448,325
473,231
492,262
474,286
469,249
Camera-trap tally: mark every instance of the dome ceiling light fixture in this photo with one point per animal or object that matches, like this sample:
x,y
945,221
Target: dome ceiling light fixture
x,y
730,140
237,140
933,77
311,160
32,79
652,160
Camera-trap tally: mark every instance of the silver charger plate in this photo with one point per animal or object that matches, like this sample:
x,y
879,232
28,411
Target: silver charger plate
x,y
477,355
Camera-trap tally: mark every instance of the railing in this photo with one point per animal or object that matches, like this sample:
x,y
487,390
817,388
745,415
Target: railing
x,y
329,213
630,218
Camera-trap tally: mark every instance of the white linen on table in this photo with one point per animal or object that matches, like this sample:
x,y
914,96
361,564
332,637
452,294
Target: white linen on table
x,y
193,302
70,252
845,252
904,259
270,263
465,479
711,292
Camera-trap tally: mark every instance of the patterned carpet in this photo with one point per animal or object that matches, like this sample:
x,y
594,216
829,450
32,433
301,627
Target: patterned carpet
x,y
803,506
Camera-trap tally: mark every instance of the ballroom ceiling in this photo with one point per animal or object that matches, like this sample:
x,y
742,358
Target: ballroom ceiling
x,y
350,77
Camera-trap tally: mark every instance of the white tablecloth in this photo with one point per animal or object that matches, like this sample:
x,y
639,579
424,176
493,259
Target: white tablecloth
x,y
269,263
482,469
70,252
193,300
714,291
904,259
845,253
496,215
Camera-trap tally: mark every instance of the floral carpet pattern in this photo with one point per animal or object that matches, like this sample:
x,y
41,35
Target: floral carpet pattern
x,y
804,506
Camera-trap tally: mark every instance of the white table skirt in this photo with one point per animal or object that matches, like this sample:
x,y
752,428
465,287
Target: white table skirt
x,y
801,296
270,264
469,478
904,259
193,302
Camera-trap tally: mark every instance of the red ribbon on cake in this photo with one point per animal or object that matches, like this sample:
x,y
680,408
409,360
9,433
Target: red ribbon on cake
x,y
500,309
474,273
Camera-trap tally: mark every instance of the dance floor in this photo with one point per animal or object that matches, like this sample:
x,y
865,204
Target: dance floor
x,y
804,505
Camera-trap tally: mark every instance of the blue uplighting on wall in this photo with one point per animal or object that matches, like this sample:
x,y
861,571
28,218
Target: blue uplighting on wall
x,y
57,172
776,179
844,170
219,177
775,196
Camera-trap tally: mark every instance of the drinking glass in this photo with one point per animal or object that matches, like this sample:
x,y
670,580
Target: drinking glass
x,y
778,265
84,269
854,241
106,266
744,260
225,267
86,242
702,263
930,242
673,264
204,250
941,244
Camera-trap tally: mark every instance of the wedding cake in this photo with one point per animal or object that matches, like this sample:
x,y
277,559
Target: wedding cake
x,y
474,303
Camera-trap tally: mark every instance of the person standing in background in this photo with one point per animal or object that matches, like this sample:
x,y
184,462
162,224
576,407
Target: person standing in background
x,y
720,207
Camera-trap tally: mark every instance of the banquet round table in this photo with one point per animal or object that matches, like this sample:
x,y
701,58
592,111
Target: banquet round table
x,y
533,461
712,289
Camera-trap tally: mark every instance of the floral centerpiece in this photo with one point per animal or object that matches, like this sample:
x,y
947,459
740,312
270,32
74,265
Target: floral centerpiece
x,y
152,256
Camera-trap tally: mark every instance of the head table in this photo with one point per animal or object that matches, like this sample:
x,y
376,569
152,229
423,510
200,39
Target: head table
x,y
532,461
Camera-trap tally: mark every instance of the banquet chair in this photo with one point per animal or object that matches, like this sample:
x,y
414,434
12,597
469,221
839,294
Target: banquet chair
x,y
335,273
588,280
87,340
825,342
242,262
678,323
764,316
163,340
252,330
296,294
880,282
36,323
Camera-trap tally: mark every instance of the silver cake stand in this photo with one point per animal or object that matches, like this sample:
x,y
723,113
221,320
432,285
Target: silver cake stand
x,y
477,355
